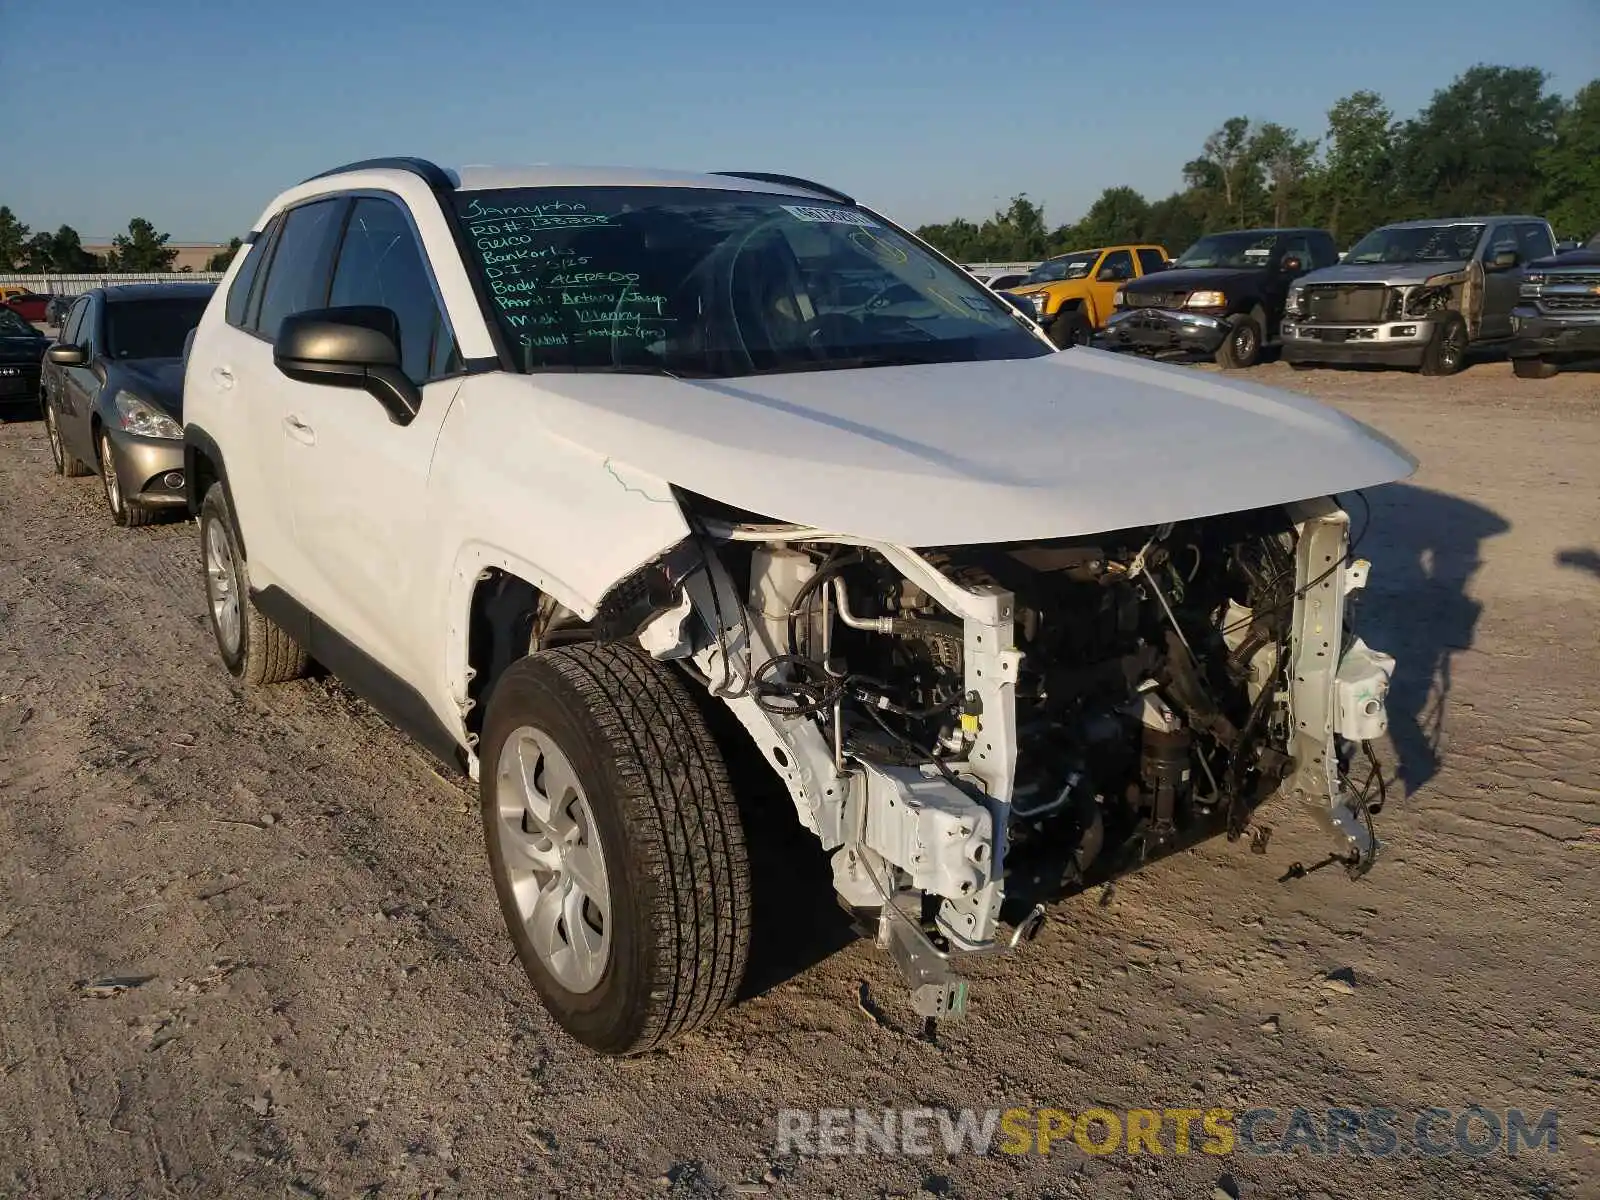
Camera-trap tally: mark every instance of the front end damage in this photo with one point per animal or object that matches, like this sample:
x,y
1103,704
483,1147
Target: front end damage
x,y
971,729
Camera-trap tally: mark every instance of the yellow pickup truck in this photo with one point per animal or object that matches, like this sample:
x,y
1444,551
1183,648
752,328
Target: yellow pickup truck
x,y
1071,293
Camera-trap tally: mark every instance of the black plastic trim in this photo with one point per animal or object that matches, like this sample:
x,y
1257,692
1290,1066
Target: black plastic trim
x,y
197,441
398,701
789,181
431,173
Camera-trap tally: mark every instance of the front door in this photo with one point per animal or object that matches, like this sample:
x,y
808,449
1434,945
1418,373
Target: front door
x,y
357,481
1500,287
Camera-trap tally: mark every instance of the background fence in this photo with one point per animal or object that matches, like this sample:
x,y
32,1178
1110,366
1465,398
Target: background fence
x,y
76,285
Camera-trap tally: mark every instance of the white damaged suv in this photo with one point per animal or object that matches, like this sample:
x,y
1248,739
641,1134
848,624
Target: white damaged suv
x,y
594,480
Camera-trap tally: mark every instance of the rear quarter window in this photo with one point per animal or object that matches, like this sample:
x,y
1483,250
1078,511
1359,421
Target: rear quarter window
x,y
239,290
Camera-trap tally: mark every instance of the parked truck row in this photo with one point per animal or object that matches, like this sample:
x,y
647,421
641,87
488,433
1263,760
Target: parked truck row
x,y
1420,294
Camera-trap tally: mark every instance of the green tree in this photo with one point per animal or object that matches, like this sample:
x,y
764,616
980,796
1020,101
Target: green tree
x,y
1478,144
1224,169
1355,188
1285,160
1176,222
141,249
1570,167
36,254
13,241
221,260
1119,215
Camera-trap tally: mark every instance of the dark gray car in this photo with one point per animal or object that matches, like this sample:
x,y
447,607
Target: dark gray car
x,y
113,393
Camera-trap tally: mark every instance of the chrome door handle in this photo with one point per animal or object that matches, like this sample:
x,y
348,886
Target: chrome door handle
x,y
299,430
222,377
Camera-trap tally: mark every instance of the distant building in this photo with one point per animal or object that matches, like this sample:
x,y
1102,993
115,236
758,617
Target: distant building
x,y
193,255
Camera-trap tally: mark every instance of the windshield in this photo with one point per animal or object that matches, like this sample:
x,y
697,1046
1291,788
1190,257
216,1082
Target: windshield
x,y
1068,266
11,325
1239,250
1416,244
708,283
151,328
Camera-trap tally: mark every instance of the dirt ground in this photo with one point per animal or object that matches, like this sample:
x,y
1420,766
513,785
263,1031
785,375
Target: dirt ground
x,y
311,993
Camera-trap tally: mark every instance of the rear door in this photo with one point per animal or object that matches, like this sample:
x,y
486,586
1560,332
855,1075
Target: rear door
x,y
246,385
80,385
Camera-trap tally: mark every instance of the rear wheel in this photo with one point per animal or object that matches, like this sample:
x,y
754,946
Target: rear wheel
x,y
64,462
129,516
1447,351
253,647
615,844
1071,328
1533,368
1242,347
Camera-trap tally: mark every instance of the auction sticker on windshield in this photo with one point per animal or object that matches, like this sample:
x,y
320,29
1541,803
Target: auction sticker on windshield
x,y
821,214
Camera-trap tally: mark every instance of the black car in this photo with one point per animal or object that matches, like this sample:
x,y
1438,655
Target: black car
x,y
113,393
22,348
1222,297
1557,319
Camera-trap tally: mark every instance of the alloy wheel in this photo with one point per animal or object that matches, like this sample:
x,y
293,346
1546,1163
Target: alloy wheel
x,y
554,860
222,591
108,475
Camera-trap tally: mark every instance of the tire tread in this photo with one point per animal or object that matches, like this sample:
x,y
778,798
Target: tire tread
x,y
685,823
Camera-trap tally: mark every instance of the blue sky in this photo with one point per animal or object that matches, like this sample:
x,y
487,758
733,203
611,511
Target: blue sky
x,y
195,117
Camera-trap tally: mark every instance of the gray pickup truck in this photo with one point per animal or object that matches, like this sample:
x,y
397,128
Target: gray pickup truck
x,y
1416,294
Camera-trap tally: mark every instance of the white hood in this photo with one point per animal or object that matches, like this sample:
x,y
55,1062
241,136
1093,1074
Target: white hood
x,y
1078,442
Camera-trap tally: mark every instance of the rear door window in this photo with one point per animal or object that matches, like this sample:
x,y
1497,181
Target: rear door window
x,y
1150,260
297,278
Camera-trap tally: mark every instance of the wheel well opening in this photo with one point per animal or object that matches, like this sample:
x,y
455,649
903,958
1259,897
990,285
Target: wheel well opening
x,y
510,619
202,473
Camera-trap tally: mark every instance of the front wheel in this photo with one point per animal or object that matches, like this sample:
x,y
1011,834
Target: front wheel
x,y
1447,350
615,844
1533,368
129,516
1071,328
1242,347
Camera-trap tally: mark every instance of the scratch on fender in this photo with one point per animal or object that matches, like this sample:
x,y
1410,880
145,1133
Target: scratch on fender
x,y
628,487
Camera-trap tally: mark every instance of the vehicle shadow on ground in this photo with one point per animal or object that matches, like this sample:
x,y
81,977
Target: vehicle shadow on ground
x,y
1580,560
1425,547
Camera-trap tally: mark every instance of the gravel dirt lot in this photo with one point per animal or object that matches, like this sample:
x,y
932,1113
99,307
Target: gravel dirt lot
x,y
314,995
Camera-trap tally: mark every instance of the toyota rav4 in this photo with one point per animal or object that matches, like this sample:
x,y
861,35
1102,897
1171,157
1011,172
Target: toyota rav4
x,y
596,481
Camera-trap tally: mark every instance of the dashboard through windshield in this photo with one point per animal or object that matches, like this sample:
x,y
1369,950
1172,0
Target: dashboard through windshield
x,y
707,283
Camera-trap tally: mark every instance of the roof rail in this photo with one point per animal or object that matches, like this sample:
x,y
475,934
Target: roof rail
x,y
790,181
433,174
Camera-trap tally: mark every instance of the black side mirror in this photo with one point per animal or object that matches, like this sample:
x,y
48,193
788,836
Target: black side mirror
x,y
353,347
1505,260
1292,264
67,356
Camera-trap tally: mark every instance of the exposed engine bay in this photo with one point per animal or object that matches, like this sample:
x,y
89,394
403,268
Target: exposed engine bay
x,y
967,726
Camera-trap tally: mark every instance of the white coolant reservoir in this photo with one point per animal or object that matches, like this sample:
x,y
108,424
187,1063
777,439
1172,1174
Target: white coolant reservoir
x,y
777,574
1362,685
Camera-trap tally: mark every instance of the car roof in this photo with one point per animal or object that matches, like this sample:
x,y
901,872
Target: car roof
x,y
484,177
119,293
1423,222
